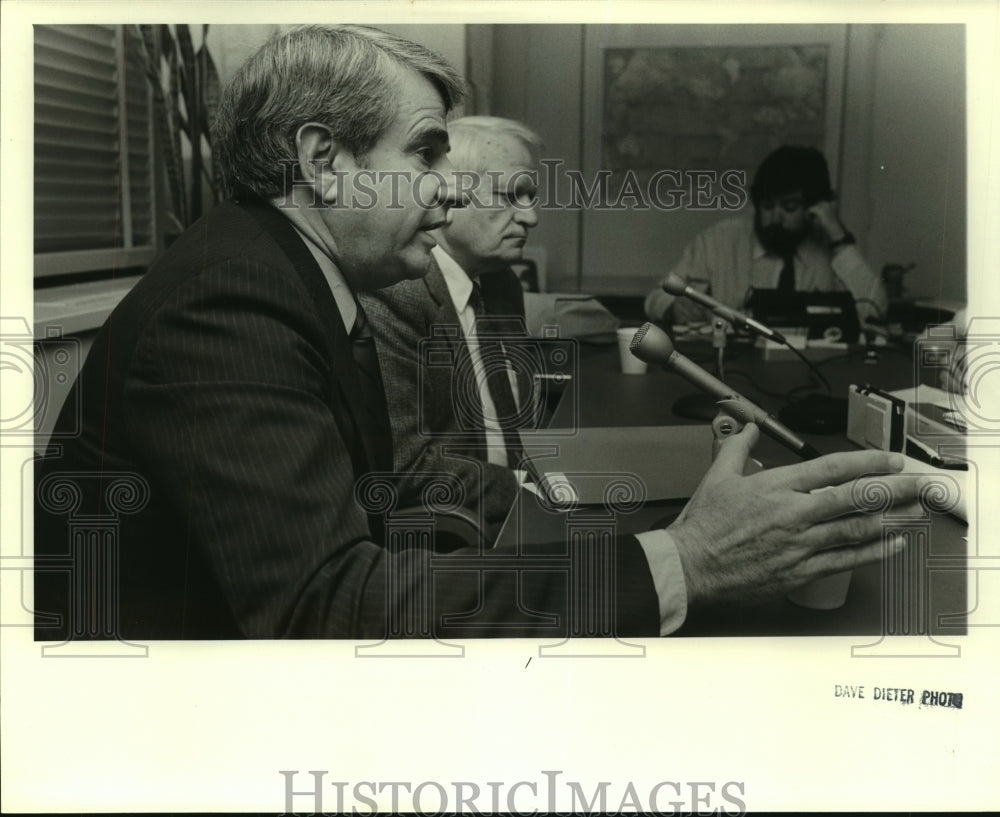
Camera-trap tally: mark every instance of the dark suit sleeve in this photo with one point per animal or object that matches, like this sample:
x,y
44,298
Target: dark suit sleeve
x,y
228,400
401,321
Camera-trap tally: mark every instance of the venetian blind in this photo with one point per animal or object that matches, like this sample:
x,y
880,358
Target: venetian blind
x,y
93,163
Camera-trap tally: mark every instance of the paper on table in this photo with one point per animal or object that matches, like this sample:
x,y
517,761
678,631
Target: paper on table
x,y
664,462
924,394
933,412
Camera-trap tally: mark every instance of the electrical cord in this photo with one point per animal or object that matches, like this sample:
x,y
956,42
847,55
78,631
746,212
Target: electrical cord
x,y
812,366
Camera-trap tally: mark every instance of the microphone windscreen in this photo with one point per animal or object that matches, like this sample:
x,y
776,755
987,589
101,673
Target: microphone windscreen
x,y
640,333
674,284
652,344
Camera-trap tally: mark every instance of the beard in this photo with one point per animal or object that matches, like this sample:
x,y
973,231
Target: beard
x,y
776,239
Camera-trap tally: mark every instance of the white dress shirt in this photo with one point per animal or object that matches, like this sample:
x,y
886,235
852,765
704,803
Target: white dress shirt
x,y
346,303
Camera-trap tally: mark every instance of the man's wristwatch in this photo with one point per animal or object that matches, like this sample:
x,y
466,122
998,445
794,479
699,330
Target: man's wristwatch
x,y
843,241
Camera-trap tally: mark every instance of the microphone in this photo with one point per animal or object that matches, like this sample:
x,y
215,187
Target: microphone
x,y
652,345
675,285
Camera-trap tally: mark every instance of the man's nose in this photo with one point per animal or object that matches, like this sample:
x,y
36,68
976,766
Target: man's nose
x,y
444,166
448,201
450,192
528,216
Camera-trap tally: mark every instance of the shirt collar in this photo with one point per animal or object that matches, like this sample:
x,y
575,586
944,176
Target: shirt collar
x,y
346,304
457,279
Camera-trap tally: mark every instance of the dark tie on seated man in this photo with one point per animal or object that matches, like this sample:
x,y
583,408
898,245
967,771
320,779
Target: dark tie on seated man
x,y
794,241
463,418
231,409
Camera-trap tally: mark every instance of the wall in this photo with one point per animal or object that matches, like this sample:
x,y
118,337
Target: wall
x,y
230,46
917,172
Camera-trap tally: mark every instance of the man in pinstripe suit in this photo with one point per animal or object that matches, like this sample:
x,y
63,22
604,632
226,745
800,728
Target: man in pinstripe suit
x,y
228,407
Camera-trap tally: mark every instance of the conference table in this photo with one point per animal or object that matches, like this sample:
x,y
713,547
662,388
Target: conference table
x,y
601,397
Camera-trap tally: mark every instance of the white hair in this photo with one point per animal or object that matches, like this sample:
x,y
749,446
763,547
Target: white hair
x,y
470,137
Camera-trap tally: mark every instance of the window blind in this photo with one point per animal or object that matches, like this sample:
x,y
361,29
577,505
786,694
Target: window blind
x,y
93,157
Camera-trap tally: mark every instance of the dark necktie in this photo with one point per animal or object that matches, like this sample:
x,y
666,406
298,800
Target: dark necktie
x,y
494,362
786,281
372,389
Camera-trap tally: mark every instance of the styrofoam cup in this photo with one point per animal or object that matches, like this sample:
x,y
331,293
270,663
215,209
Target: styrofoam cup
x,y
630,363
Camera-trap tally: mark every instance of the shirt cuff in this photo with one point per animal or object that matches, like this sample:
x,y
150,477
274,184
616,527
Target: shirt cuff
x,y
668,578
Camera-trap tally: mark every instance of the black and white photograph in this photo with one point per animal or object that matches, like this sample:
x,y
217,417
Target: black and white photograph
x,y
464,407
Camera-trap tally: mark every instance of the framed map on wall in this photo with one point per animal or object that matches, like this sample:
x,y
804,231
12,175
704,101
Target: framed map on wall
x,y
711,107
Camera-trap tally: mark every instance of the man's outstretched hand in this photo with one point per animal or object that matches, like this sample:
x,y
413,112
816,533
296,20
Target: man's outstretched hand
x,y
746,539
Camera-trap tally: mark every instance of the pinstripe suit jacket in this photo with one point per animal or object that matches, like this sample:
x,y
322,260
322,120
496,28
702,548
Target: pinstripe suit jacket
x,y
225,382
430,433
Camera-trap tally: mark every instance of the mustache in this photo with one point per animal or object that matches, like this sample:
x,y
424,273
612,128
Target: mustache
x,y
777,239
776,230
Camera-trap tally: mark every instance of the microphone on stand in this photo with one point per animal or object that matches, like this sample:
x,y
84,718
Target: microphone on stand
x,y
652,345
675,285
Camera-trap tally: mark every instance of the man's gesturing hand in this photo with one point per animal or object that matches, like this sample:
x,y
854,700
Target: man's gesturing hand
x,y
746,539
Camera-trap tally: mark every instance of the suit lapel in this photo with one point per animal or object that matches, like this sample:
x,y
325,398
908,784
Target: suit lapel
x,y
357,424
445,315
436,286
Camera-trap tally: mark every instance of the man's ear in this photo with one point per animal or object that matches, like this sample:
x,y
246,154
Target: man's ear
x,y
319,157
